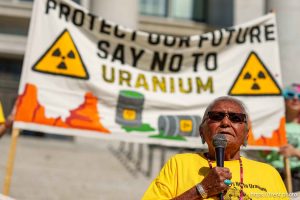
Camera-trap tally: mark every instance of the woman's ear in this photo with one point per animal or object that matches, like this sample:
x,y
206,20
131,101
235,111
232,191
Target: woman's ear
x,y
247,130
246,139
248,127
201,134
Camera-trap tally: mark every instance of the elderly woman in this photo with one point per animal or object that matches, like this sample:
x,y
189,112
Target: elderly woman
x,y
196,176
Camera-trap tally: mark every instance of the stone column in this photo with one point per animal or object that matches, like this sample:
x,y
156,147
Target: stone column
x,y
288,22
124,12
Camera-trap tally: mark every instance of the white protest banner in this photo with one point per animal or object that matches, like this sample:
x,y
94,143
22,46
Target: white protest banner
x,y
2,197
86,76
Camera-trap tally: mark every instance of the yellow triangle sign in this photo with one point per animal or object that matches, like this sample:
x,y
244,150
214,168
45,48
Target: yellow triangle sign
x,y
62,59
254,80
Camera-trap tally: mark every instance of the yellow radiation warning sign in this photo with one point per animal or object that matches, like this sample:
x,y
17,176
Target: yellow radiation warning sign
x,y
254,80
129,114
62,59
186,125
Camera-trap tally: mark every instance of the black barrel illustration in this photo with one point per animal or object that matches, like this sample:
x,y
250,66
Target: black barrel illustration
x,y
129,108
184,125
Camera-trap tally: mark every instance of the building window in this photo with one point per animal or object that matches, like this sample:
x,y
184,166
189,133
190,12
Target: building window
x,y
154,7
77,1
10,69
188,9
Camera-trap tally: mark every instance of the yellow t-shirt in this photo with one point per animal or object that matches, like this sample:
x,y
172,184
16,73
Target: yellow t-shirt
x,y
2,118
184,171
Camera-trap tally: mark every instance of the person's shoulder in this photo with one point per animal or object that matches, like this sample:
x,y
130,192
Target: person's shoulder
x,y
292,127
187,156
258,164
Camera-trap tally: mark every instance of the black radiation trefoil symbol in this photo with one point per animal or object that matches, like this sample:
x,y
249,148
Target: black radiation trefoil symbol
x,y
255,85
62,64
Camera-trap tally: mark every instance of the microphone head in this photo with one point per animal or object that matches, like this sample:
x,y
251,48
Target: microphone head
x,y
219,141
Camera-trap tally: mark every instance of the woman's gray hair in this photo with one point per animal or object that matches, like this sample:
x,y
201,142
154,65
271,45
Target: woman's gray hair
x,y
225,98
230,99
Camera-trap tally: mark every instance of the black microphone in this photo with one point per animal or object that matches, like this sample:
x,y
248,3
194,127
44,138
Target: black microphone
x,y
220,142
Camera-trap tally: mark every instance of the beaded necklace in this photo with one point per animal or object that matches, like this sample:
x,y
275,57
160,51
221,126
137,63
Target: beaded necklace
x,y
241,174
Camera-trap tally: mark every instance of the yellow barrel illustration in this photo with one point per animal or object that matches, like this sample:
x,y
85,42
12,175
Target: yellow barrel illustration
x,y
129,108
184,125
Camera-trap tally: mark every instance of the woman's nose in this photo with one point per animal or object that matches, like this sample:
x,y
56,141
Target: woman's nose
x,y
225,122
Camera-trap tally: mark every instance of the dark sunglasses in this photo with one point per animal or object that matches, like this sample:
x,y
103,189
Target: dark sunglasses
x,y
291,95
233,117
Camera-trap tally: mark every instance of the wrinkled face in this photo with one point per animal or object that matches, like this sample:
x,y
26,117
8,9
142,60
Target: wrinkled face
x,y
292,104
235,132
